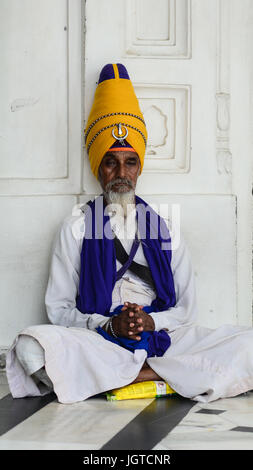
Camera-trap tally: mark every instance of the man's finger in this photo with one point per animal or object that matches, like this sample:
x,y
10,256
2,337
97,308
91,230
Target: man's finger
x,y
134,336
125,306
138,308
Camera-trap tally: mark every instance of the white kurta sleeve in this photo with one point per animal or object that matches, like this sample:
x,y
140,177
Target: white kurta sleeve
x,y
63,281
185,311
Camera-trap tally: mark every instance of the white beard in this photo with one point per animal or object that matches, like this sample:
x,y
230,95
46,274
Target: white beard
x,y
120,203
121,208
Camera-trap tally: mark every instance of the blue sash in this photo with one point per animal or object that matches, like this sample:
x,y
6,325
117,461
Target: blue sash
x,y
98,273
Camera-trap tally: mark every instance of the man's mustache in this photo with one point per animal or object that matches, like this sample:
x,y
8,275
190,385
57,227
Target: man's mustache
x,y
118,181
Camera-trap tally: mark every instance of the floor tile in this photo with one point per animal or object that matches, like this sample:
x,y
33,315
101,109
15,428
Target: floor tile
x,y
151,425
230,429
227,440
6,444
243,429
4,390
196,422
210,412
89,423
239,403
3,378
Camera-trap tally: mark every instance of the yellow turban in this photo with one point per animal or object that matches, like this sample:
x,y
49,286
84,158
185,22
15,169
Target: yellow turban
x,y
115,115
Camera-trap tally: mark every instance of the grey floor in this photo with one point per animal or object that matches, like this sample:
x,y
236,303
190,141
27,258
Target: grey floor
x,y
161,424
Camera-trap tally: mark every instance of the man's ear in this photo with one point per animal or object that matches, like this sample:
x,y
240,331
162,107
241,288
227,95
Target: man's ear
x,y
139,166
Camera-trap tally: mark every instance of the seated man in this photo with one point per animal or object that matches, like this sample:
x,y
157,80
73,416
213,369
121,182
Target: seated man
x,y
121,301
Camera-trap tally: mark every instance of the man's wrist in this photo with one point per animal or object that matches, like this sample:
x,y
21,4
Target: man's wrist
x,y
106,326
151,323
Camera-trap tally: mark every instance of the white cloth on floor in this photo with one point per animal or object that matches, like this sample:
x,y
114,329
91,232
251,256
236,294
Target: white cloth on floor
x,y
201,363
30,354
80,363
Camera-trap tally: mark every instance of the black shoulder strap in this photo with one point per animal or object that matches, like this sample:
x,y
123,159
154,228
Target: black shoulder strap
x,y
141,271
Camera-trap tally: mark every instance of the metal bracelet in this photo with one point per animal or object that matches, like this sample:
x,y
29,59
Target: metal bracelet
x,y
111,328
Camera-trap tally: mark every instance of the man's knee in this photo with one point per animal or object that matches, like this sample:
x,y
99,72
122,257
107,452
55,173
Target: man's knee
x,y
30,353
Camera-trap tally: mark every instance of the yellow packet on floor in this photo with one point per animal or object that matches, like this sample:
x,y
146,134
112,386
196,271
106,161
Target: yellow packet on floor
x,y
149,389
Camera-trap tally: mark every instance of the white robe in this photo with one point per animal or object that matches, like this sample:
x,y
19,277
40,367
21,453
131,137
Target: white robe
x,y
202,364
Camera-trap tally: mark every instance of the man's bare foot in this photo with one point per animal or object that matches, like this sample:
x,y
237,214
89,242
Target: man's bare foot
x,y
146,373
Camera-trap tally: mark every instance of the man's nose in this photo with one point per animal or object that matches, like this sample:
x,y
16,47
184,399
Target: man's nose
x,y
121,171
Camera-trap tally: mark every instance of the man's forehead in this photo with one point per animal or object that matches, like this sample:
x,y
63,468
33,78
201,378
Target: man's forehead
x,y
122,154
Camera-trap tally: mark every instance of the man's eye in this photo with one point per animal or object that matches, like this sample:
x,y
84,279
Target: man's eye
x,y
131,162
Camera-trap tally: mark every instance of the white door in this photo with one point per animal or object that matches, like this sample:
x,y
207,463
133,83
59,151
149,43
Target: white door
x,y
189,62
41,43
